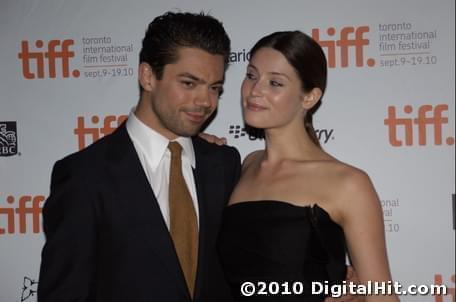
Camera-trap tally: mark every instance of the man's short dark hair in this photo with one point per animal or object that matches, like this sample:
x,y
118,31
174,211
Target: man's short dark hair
x,y
171,31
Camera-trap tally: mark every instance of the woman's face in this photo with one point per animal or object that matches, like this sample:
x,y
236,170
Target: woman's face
x,y
271,92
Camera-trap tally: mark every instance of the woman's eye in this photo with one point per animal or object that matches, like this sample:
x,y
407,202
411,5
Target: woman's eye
x,y
249,76
276,84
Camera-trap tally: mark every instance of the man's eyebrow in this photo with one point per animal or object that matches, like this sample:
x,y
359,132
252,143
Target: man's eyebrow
x,y
199,80
192,77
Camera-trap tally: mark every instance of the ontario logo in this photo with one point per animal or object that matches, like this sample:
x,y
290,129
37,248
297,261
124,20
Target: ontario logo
x,y
29,289
8,138
47,59
345,47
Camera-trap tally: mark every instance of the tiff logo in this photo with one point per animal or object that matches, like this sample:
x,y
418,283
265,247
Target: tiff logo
x,y
8,138
110,123
350,39
57,50
434,119
451,291
28,206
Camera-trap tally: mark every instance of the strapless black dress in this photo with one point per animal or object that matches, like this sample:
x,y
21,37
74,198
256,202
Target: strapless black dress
x,y
286,247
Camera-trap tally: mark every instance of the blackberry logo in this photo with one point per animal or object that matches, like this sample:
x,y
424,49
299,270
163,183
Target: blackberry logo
x,y
324,135
29,289
237,131
8,138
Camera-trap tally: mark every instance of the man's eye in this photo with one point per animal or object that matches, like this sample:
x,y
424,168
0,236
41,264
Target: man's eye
x,y
188,84
217,89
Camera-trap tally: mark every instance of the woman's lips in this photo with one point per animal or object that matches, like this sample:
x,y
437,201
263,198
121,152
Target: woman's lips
x,y
255,107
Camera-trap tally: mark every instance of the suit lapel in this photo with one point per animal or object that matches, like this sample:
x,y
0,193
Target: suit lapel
x,y
207,188
136,190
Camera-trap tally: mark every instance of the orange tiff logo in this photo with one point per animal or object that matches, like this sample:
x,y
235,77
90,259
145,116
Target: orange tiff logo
x,y
350,39
451,291
110,123
429,116
21,208
33,62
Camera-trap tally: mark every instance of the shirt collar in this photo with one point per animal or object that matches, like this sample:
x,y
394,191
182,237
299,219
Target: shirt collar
x,y
153,144
188,150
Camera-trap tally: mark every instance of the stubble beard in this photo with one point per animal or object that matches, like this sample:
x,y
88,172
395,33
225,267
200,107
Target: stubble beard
x,y
173,123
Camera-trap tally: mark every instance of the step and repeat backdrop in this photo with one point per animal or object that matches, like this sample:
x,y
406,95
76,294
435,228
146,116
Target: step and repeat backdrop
x,y
68,77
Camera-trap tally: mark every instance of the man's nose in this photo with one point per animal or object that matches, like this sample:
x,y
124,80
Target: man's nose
x,y
203,98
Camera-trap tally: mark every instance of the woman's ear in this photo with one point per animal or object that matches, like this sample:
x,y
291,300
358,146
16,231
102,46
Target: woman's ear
x,y
146,77
311,98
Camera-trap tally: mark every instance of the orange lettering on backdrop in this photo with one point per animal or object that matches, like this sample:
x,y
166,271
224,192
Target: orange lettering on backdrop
x,y
110,123
28,207
428,116
33,62
451,291
350,39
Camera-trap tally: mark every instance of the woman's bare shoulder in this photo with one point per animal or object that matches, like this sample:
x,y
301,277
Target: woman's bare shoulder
x,y
347,181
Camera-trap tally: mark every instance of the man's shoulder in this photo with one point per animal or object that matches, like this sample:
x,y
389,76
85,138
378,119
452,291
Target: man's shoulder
x,y
89,157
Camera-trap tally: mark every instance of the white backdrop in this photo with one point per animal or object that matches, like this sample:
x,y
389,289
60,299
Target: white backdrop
x,y
389,109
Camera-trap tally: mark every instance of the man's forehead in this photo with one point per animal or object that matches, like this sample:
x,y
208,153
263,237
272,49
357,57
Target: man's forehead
x,y
198,63
189,53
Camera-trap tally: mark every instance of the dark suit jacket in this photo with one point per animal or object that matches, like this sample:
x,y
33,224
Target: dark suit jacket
x,y
106,239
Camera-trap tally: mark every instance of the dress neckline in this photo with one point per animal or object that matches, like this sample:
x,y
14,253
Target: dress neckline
x,y
309,207
285,203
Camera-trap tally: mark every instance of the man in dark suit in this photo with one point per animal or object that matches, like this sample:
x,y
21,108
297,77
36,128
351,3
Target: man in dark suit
x,y
115,230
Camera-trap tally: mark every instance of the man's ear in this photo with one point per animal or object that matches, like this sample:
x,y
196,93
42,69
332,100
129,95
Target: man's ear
x,y
309,99
146,77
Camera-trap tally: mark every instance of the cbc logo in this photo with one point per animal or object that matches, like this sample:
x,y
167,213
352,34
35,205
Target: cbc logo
x,y
8,138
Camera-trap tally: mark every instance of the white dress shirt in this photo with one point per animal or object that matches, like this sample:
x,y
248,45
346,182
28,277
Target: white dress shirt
x,y
155,157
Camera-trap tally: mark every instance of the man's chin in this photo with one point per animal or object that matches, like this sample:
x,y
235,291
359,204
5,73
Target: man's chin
x,y
189,132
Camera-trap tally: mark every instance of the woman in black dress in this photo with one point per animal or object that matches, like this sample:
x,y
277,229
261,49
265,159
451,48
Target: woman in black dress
x,y
296,209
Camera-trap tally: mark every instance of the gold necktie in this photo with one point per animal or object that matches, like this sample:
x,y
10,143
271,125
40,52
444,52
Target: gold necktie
x,y
183,223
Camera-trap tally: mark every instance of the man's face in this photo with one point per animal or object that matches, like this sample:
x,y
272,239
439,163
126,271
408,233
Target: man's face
x,y
187,94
